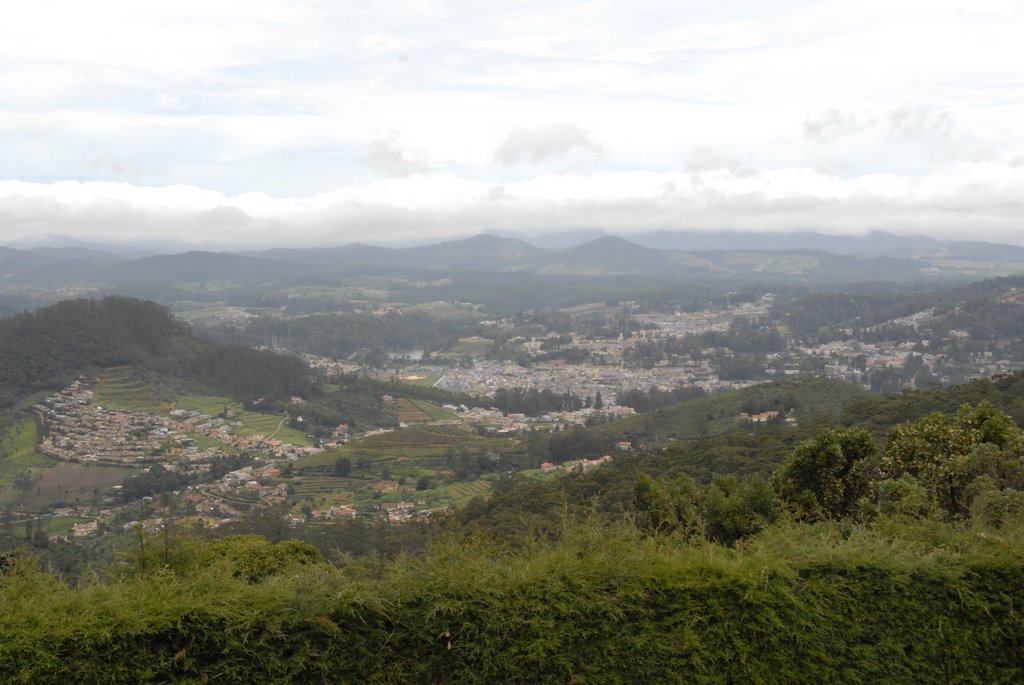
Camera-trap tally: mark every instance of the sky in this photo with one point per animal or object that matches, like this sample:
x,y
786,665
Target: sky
x,y
299,122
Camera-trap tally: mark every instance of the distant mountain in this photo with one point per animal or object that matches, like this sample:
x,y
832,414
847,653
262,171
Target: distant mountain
x,y
873,244
805,257
481,252
47,266
610,255
713,258
202,268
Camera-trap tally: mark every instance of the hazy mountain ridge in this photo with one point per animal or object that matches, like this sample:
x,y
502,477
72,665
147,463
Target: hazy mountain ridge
x,y
806,257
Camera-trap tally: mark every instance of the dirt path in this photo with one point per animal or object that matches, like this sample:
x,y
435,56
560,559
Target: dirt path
x,y
278,429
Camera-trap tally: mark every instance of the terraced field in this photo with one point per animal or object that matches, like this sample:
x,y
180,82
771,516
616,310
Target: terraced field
x,y
461,493
409,412
122,388
435,412
420,437
320,485
470,489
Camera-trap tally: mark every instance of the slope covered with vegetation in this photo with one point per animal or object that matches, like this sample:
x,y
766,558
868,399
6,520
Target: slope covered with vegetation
x,y
900,561
905,605
44,349
879,540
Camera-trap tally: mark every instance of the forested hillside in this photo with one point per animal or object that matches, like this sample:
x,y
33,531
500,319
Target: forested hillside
x,y
45,348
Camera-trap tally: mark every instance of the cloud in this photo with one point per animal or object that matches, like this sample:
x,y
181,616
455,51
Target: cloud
x,y
915,122
296,99
536,145
832,125
982,201
391,159
709,159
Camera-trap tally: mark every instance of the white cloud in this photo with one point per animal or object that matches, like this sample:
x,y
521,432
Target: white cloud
x,y
277,99
540,144
833,125
390,158
981,201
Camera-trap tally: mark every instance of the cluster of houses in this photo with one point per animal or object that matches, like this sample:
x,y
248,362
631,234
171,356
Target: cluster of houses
x,y
576,464
77,430
582,379
495,421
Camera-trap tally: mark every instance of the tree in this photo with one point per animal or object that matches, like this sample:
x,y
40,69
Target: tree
x,y
735,508
828,473
947,454
343,467
663,506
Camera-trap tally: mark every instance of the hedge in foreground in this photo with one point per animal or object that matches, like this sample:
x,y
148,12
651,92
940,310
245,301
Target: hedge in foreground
x,y
801,604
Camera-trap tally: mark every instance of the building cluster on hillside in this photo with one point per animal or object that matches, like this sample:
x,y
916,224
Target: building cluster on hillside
x,y
575,464
497,421
75,429
583,380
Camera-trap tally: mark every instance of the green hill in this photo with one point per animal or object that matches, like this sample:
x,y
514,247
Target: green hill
x,y
44,349
807,400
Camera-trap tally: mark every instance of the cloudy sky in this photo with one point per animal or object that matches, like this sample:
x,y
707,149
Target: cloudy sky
x,y
221,123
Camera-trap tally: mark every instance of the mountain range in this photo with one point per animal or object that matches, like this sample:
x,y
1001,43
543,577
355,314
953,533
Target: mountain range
x,y
719,258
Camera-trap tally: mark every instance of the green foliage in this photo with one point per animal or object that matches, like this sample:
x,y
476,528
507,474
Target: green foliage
x,y
736,508
340,335
880,414
252,557
949,454
828,473
810,400
44,349
727,510
666,506
802,604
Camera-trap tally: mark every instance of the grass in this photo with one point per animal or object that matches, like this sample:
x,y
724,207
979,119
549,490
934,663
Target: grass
x,y
18,444
206,404
424,380
461,493
420,436
18,454
474,347
414,411
435,412
61,525
270,424
122,389
253,422
68,484
408,453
